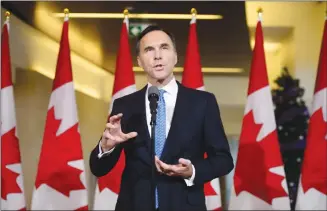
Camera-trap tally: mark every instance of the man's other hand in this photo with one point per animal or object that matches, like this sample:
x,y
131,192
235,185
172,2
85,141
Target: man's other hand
x,y
183,168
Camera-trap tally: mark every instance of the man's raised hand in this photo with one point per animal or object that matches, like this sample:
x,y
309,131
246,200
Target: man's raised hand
x,y
113,134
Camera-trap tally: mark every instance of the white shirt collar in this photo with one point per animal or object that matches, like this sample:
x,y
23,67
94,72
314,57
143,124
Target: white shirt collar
x,y
171,88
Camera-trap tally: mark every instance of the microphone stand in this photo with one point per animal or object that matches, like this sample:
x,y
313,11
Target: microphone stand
x,y
153,167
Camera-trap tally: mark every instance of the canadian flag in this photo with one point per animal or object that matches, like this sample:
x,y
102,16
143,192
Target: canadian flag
x,y
60,180
193,78
108,186
12,186
259,181
312,192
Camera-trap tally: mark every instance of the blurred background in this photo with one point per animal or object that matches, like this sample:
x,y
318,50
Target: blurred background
x,y
292,35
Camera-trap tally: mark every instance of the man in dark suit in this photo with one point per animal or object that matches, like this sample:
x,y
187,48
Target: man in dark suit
x,y
188,126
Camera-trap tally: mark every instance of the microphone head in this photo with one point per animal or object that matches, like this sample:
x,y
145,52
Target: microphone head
x,y
153,92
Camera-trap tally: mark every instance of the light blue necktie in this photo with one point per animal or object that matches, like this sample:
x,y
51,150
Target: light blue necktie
x,y
160,131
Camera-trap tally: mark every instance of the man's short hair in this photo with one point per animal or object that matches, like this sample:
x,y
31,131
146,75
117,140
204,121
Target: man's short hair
x,y
150,29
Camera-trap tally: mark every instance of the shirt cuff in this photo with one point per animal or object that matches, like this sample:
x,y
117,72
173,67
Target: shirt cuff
x,y
101,154
189,182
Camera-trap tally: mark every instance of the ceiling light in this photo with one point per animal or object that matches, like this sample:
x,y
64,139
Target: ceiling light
x,y
204,69
140,16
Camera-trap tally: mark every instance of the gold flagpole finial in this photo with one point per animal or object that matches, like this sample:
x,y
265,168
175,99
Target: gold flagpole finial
x,y
7,15
193,11
259,10
125,12
66,11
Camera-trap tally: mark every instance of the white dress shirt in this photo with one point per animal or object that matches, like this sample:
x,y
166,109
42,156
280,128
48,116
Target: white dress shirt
x,y
170,96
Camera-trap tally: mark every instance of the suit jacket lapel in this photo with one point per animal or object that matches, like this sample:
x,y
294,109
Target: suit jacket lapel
x,y
173,142
174,139
140,122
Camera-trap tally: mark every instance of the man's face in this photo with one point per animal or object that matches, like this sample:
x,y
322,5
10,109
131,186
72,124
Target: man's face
x,y
157,55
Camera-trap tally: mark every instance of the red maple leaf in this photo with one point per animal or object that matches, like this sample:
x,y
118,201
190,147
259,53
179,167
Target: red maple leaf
x,y
112,180
315,159
56,152
208,190
255,159
9,155
82,208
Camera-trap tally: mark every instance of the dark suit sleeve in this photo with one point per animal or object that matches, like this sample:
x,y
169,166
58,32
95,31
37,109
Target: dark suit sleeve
x,y
219,161
101,166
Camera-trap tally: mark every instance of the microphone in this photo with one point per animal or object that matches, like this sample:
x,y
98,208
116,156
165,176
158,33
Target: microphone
x,y
153,96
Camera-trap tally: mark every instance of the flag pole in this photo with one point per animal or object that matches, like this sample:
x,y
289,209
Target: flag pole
x,y
66,12
7,15
126,19
260,11
194,13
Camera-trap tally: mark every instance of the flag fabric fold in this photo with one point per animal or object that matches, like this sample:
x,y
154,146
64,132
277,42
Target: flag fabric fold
x,y
108,186
12,186
312,191
193,78
60,181
259,181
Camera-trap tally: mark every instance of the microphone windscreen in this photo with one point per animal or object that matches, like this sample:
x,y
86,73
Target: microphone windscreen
x,y
153,91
